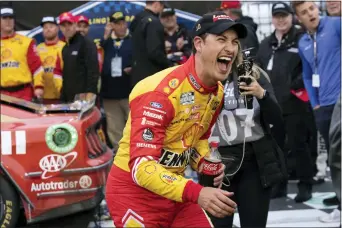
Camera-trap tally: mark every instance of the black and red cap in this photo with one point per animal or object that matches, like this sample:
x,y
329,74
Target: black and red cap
x,y
217,23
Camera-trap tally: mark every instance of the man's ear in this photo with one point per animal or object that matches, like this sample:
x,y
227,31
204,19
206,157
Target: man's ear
x,y
198,44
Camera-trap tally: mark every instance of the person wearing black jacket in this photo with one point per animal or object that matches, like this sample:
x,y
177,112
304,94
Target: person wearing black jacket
x,y
80,63
149,56
278,56
253,160
177,39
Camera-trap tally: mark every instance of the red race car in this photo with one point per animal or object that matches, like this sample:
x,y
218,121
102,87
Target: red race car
x,y
54,159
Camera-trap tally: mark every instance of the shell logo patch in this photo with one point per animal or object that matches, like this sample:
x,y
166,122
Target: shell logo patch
x,y
173,83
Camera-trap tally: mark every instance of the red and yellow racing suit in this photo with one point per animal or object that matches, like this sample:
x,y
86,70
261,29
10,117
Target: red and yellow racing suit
x,y
48,54
20,66
171,117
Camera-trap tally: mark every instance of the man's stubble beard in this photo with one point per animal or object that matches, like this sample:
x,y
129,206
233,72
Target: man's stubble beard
x,y
51,38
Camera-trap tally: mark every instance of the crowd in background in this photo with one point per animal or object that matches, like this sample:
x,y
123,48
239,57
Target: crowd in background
x,y
301,58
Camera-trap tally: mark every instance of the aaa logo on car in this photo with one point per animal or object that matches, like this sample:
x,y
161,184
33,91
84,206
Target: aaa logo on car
x,y
52,164
61,138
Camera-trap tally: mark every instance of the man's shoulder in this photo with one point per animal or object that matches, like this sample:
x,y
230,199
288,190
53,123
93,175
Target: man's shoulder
x,y
60,44
41,46
303,41
163,83
23,39
266,41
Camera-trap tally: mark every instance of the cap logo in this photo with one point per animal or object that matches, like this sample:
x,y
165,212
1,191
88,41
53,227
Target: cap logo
x,y
118,15
48,19
279,5
221,17
198,27
6,10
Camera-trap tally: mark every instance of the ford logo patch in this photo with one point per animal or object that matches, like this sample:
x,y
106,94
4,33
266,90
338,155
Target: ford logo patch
x,y
156,105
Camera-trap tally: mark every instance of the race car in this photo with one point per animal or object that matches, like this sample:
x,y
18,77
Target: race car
x,y
54,159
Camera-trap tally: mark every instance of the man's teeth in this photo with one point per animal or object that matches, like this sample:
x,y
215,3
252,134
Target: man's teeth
x,y
225,58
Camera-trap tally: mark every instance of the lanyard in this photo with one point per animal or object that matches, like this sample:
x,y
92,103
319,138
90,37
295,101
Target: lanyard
x,y
315,53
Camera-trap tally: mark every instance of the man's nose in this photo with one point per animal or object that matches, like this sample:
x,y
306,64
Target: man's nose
x,y
229,48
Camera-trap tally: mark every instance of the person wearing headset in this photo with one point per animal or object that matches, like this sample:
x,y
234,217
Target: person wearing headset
x,y
253,160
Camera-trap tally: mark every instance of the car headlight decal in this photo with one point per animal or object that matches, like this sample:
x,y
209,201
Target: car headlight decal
x,y
61,138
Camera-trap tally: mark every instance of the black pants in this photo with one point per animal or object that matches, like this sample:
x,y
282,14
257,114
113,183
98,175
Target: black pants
x,y
312,137
323,119
251,198
297,140
297,132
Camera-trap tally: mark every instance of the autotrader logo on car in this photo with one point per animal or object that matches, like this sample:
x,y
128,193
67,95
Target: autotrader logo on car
x,y
84,182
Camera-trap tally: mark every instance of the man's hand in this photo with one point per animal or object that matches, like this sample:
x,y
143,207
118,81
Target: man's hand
x,y
253,89
39,93
316,107
180,43
219,179
168,46
108,30
216,202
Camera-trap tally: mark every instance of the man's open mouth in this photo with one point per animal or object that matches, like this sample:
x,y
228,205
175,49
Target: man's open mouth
x,y
223,62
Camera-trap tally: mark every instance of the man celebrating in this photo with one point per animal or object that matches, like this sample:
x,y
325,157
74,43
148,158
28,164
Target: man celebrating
x,y
48,52
169,124
20,63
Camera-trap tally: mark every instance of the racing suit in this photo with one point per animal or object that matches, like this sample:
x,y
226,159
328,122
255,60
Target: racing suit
x,y
20,67
168,127
48,55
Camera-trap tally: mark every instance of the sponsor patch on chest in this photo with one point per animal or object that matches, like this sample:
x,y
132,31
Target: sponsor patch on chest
x,y
187,98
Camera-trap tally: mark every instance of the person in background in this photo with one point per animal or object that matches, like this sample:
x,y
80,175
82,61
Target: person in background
x,y
115,88
333,8
21,69
83,27
79,63
278,56
233,10
177,40
335,161
320,52
148,40
48,52
254,162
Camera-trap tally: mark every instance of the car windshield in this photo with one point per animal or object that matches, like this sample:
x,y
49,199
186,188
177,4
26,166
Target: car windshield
x,y
82,103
